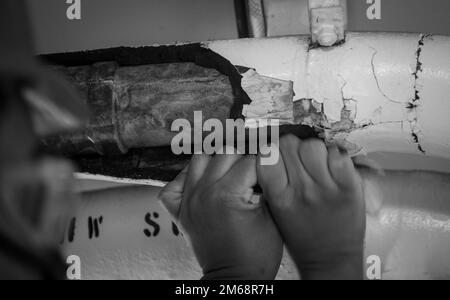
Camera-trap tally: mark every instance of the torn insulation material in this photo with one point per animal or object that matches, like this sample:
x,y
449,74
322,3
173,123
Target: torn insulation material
x,y
358,94
271,98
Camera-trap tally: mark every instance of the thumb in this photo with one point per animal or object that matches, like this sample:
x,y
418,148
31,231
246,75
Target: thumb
x,y
172,194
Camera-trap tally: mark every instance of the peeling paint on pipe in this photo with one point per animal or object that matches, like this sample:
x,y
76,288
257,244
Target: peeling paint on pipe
x,y
399,83
375,92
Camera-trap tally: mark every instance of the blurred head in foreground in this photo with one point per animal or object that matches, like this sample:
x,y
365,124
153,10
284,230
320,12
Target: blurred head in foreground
x,y
35,191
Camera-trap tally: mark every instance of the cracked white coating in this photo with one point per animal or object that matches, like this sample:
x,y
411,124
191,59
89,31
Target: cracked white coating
x,y
398,84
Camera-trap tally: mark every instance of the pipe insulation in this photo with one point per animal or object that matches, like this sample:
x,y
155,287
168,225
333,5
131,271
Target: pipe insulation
x,y
125,233
375,92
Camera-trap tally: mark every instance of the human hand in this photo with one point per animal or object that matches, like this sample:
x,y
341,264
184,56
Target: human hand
x,y
231,231
316,198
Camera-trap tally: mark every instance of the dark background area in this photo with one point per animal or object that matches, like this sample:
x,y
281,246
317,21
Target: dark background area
x,y
108,23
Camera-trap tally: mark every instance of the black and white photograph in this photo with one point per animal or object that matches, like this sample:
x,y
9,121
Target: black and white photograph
x,y
224,147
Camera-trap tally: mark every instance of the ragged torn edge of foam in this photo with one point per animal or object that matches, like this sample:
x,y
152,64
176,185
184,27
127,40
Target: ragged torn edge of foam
x,y
279,100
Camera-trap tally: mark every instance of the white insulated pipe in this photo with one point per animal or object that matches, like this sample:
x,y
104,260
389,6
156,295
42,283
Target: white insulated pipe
x,y
399,84
132,236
